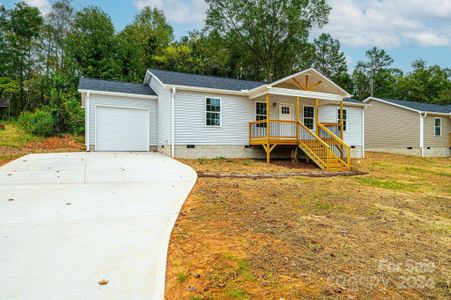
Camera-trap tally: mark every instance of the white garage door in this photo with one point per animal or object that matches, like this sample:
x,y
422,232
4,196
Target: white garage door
x,y
122,129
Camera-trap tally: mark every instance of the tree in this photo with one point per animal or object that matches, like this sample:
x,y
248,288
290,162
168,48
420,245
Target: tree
x,y
90,47
138,44
374,77
23,26
425,84
58,24
330,60
269,33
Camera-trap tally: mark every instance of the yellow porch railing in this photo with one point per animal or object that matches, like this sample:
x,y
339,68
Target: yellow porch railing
x,y
326,149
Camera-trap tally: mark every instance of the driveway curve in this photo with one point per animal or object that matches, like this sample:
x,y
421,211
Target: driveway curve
x,y
70,220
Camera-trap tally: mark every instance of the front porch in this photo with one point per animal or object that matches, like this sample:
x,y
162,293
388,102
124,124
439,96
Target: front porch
x,y
285,124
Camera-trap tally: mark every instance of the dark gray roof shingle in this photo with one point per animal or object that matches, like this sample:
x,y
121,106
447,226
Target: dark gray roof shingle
x,y
426,107
213,82
114,86
350,100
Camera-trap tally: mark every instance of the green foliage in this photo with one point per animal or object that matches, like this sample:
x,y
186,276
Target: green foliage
x,y
14,136
40,122
269,34
388,184
181,277
91,46
236,294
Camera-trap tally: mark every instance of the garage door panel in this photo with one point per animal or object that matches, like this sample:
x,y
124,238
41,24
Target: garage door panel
x,y
122,129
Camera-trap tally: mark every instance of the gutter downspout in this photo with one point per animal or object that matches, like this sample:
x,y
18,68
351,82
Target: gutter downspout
x,y
87,108
422,117
363,132
173,91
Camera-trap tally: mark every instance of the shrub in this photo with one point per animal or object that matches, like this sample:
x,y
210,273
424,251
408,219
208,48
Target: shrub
x,y
76,116
40,122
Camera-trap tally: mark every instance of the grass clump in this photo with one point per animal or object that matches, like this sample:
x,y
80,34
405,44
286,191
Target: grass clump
x,y
388,184
181,277
236,293
14,136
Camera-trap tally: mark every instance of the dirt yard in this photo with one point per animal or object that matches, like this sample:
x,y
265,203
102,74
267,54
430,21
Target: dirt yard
x,y
385,235
15,143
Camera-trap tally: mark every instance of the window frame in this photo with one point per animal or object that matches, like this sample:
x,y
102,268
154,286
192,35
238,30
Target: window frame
x,y
256,119
345,120
435,126
313,118
218,112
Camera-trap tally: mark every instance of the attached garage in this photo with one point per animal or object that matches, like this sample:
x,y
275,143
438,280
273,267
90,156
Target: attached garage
x,y
119,116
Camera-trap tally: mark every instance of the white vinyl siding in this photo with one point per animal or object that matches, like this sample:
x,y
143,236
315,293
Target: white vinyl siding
x,y
120,101
164,112
190,129
353,133
430,138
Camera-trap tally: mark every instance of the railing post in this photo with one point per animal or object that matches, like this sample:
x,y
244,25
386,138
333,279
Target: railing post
x,y
316,116
268,129
297,118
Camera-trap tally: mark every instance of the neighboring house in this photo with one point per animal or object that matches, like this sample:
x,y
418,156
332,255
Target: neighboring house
x,y
4,108
407,127
191,116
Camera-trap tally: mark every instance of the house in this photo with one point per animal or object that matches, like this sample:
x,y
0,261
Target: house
x,y
407,127
190,116
4,108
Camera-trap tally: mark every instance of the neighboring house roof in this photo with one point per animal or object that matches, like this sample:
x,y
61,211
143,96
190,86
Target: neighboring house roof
x,y
417,106
204,81
90,84
4,103
350,100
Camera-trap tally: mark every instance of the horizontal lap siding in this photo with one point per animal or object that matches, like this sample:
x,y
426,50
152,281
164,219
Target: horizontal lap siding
x,y
150,104
236,113
353,133
164,112
388,126
436,141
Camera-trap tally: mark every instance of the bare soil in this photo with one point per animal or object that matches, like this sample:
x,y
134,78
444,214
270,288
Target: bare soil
x,y
385,235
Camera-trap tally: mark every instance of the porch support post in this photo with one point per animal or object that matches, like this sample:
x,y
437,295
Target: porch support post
x,y
341,119
316,116
268,129
297,119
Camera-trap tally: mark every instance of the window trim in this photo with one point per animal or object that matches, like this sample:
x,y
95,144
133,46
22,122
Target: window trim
x,y
220,112
435,126
314,117
255,111
345,119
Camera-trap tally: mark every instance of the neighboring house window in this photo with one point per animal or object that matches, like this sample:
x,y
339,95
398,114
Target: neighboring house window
x,y
309,117
213,112
437,126
345,119
260,113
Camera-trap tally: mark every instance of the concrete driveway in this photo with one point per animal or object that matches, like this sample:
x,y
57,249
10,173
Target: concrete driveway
x,y
69,220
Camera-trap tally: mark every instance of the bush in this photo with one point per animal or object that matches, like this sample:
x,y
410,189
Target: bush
x,y
76,116
40,122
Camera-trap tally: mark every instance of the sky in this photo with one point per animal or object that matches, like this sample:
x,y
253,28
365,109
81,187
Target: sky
x,y
406,29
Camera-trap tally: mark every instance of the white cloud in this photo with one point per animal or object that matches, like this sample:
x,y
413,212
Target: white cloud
x,y
43,5
390,23
178,11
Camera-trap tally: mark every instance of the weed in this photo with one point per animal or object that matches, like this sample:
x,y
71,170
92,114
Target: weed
x,y
181,277
388,184
236,293
243,269
246,163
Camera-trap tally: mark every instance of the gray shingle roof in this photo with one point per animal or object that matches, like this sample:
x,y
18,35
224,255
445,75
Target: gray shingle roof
x,y
426,107
213,82
350,100
114,86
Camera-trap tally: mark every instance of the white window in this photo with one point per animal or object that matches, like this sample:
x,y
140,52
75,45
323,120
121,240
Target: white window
x,y
309,117
345,119
437,126
213,112
260,113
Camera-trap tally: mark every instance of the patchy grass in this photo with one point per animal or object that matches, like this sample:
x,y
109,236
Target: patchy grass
x,y
15,137
14,143
385,235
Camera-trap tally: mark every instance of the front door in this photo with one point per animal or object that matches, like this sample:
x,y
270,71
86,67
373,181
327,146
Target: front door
x,y
286,114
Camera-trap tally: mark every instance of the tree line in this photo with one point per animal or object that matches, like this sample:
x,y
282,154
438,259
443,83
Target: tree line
x,y
42,57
